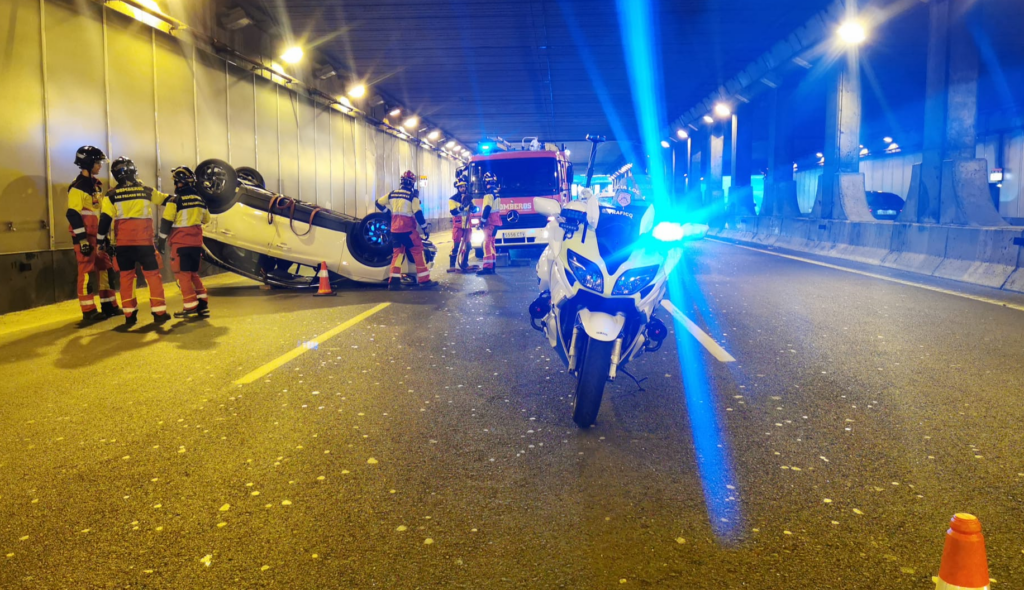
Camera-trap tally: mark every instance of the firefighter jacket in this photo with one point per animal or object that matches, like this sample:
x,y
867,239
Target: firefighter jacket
x,y
184,217
84,201
405,210
129,208
490,209
457,209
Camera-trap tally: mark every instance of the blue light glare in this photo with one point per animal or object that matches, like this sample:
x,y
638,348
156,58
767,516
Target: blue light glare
x,y
641,43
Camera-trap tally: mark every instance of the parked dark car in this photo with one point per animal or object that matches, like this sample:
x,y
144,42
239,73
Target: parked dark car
x,y
885,206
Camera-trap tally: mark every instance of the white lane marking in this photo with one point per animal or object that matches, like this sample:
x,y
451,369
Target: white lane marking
x,y
716,351
882,277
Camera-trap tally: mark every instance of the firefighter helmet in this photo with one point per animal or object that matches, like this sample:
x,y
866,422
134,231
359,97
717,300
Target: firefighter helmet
x,y
461,183
408,179
124,170
183,175
490,180
87,156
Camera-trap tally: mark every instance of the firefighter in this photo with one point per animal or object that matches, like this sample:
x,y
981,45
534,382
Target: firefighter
x,y
404,205
490,221
128,210
457,205
183,220
84,200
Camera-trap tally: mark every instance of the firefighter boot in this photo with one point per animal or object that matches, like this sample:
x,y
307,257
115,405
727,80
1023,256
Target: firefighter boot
x,y
203,309
451,262
486,271
131,319
110,309
395,285
186,313
427,285
88,317
161,318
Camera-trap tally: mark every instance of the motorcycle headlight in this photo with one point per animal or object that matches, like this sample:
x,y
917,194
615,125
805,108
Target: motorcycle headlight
x,y
631,282
586,272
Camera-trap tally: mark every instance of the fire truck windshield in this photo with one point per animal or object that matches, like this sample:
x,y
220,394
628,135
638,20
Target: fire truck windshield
x,y
526,177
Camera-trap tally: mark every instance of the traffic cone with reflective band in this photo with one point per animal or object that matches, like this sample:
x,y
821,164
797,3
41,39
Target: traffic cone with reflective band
x,y
325,282
964,564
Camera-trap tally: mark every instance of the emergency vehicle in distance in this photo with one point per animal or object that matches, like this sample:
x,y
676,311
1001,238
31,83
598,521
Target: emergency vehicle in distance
x,y
533,170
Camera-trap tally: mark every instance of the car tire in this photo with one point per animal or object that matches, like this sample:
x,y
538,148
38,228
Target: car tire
x,y
369,242
251,177
217,183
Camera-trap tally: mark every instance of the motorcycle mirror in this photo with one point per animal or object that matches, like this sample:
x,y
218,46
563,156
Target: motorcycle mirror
x,y
547,207
593,211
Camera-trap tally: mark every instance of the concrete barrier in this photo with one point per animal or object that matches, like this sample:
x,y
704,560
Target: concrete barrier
x,y
916,247
983,256
862,242
990,256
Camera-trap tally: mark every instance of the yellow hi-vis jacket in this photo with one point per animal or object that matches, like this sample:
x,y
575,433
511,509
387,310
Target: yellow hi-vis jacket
x,y
130,208
184,217
405,210
490,209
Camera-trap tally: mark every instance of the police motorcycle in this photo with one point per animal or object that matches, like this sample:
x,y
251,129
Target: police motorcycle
x,y
602,277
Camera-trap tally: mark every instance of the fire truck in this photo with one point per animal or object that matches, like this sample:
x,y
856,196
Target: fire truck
x,y
531,170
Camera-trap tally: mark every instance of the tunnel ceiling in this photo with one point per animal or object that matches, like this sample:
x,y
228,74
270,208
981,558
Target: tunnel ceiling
x,y
480,68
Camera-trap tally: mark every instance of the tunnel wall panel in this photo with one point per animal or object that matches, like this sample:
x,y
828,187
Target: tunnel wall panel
x,y
241,118
25,223
88,75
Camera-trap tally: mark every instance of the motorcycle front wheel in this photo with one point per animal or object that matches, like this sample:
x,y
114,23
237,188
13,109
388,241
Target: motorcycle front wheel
x,y
595,363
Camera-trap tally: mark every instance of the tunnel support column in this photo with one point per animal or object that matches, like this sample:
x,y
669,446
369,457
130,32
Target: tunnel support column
x,y
780,188
714,194
741,194
950,186
841,193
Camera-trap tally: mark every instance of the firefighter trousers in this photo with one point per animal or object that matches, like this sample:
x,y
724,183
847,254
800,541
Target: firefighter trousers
x,y
145,256
408,244
185,262
97,266
490,250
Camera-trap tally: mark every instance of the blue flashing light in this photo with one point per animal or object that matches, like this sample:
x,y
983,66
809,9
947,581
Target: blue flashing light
x,y
486,147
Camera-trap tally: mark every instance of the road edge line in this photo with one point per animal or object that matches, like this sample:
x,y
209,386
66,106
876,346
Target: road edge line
x,y
707,341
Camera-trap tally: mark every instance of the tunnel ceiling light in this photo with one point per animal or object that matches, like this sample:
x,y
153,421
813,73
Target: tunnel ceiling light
x,y
357,91
887,139
434,135
893,147
852,32
665,144
709,119
682,134
820,155
411,122
292,55
722,110
864,152
395,112
568,153
450,144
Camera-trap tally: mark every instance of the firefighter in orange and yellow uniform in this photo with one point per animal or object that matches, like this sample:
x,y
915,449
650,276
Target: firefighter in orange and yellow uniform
x,y
83,215
183,220
404,205
128,209
490,221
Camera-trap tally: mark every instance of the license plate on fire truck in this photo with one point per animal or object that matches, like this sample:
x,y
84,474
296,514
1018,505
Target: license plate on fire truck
x,y
511,235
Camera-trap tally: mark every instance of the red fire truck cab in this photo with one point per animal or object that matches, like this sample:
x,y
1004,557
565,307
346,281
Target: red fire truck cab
x,y
522,176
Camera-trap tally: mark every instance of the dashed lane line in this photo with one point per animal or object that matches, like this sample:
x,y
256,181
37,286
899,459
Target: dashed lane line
x,y
882,277
716,351
300,350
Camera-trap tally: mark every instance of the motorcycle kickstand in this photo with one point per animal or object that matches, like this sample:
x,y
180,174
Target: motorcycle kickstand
x,y
635,380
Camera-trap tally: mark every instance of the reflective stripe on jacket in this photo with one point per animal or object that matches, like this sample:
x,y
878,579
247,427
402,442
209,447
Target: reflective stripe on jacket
x,y
84,196
131,207
186,214
404,206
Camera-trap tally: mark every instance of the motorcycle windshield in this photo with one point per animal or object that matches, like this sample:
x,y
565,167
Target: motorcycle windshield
x,y
618,231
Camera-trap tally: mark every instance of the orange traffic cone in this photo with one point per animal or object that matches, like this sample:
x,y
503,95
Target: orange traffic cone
x,y
964,564
325,282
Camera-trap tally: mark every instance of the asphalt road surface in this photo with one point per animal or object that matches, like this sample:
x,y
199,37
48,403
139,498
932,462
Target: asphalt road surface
x,y
429,443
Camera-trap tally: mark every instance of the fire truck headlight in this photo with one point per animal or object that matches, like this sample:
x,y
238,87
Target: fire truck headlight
x,y
477,238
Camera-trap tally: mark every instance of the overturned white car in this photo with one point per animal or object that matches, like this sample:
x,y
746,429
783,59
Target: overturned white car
x,y
281,241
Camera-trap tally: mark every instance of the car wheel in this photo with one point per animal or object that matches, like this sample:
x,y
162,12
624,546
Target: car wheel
x,y
251,177
370,240
216,182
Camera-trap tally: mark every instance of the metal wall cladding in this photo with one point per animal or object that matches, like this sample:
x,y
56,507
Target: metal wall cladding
x,y
25,222
132,98
307,149
324,154
241,118
175,100
268,156
362,191
211,105
343,182
288,141
890,174
76,94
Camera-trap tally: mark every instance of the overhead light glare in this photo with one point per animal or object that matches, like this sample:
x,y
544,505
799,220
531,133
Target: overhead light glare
x,y
665,144
709,119
411,122
682,134
293,55
357,91
723,110
852,33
